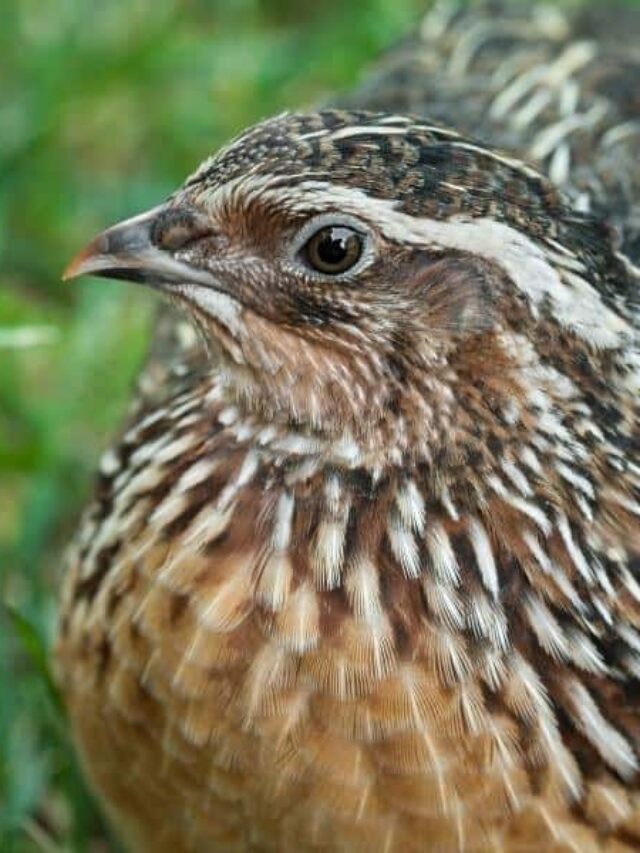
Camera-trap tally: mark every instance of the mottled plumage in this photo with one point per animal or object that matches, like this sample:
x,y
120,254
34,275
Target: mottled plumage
x,y
362,570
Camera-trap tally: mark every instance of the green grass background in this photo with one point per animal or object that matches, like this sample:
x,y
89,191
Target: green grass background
x,y
105,105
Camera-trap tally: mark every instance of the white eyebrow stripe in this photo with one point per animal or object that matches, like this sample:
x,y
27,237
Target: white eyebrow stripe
x,y
575,303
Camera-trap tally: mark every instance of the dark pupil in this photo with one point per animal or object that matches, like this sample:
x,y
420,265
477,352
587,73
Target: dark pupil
x,y
333,246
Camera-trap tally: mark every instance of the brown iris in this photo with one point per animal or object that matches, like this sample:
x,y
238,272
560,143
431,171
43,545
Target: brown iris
x,y
333,250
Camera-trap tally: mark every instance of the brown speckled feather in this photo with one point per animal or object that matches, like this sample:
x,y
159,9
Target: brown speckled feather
x,y
362,570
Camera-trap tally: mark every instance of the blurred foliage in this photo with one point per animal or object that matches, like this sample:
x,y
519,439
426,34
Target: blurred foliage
x,y
105,106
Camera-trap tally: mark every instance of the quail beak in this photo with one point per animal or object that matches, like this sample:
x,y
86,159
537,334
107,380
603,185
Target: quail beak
x,y
130,250
143,249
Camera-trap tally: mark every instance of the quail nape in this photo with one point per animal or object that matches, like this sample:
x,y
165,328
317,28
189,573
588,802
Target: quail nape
x,y
361,572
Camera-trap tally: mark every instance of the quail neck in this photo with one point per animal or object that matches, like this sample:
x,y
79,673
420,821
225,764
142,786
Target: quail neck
x,y
387,534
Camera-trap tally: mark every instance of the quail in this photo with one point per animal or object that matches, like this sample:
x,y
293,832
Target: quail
x,y
361,571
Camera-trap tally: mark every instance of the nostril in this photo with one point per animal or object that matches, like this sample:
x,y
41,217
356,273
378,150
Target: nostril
x,y
176,227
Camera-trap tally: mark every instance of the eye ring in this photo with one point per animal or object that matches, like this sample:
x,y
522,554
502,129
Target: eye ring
x,y
333,249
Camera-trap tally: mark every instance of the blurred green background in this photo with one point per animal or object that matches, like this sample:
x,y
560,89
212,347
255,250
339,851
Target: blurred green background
x,y
105,106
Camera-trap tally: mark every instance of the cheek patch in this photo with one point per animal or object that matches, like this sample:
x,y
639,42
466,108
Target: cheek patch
x,y
457,293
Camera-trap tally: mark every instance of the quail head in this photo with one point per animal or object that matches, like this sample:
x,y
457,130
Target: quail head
x,y
366,576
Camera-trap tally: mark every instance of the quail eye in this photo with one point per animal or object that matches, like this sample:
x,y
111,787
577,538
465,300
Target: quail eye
x,y
333,249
